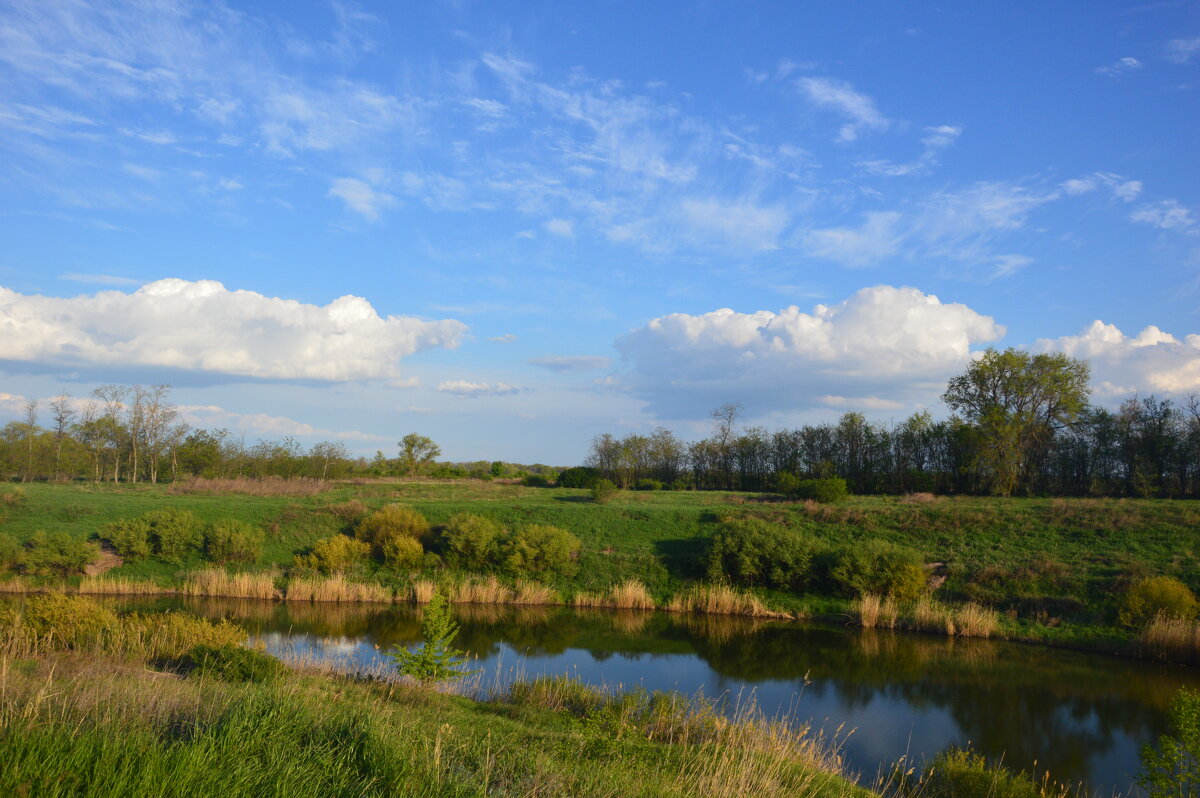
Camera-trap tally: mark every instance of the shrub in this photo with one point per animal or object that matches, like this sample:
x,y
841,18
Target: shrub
x,y
230,540
169,635
12,497
472,541
1148,598
351,512
10,551
392,521
577,477
402,553
334,554
826,491
542,550
1173,768
69,621
787,483
436,660
230,663
755,552
57,554
535,481
648,484
130,538
603,490
877,567
173,533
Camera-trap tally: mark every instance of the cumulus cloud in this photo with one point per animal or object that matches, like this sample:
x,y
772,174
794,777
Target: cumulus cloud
x,y
1122,66
475,389
563,363
360,197
882,345
203,326
1153,361
840,96
1165,215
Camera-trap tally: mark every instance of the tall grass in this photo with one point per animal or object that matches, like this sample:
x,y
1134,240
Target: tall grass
x,y
967,620
629,595
720,600
119,586
336,588
875,611
218,582
1173,638
420,591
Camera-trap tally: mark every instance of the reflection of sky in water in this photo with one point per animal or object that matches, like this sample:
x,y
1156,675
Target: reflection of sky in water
x,y
875,726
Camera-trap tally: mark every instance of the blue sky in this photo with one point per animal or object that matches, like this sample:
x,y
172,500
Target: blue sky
x,y
513,225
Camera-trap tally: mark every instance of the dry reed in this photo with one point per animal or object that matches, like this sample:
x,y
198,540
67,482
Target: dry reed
x,y
218,582
930,616
1171,637
720,600
972,620
479,591
336,588
420,591
535,593
297,486
119,586
874,611
629,595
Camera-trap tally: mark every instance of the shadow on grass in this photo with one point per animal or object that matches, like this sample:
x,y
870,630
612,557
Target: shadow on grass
x,y
683,557
574,499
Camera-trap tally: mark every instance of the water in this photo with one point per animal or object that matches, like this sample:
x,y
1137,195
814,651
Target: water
x,y
1081,716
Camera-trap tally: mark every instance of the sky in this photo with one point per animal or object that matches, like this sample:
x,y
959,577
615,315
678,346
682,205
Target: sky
x,y
512,226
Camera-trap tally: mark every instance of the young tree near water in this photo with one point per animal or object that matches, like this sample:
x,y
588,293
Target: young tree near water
x,y
1017,401
436,660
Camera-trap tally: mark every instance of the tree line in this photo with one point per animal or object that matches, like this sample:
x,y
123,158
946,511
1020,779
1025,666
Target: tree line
x,y
1022,424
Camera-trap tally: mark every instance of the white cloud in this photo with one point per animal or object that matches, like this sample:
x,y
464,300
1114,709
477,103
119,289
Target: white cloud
x,y
1008,265
1153,361
98,279
1181,51
1122,66
841,97
360,197
877,238
883,343
202,326
742,224
12,402
212,416
563,363
405,382
1165,215
475,389
563,228
935,140
507,338
1122,188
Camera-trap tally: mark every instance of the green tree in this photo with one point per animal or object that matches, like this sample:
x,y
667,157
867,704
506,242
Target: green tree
x,y
1172,770
436,660
1017,401
417,451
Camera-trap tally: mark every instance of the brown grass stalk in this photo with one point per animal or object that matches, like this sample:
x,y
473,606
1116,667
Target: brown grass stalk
x,y
119,586
875,611
218,582
720,600
297,486
336,588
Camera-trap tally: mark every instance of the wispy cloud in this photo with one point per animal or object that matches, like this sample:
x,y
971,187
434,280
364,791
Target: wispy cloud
x,y
1122,66
1166,214
213,416
1182,51
936,139
564,363
98,279
476,389
361,197
841,97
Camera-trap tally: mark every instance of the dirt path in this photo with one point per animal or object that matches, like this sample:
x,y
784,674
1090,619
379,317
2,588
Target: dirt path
x,y
106,560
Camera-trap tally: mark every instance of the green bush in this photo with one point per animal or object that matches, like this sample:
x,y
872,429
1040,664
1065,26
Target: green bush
x,y
169,635
755,552
394,520
130,538
472,541
68,621
648,484
541,550
10,551
57,554
825,491
577,477
174,533
603,490
1173,768
230,663
232,541
1147,598
335,553
877,567
402,553
535,481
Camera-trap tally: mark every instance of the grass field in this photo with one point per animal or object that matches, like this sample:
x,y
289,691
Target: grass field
x,y
1053,566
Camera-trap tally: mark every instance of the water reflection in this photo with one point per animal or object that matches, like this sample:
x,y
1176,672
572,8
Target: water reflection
x,y
1080,716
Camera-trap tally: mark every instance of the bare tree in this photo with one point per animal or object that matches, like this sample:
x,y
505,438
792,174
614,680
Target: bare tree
x,y
31,419
724,423
157,415
63,414
114,433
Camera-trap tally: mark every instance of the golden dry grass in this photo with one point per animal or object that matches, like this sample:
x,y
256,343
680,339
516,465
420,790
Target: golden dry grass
x,y
1171,637
218,582
874,611
972,620
720,600
118,586
336,588
420,591
629,595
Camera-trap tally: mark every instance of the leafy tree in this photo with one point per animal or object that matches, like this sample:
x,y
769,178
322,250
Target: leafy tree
x,y
603,490
392,521
417,451
754,552
400,552
334,554
1172,770
436,660
174,533
1017,401
472,541
497,468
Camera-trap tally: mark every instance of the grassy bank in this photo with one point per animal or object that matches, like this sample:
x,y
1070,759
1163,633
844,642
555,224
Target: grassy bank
x,y
1043,570
87,709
